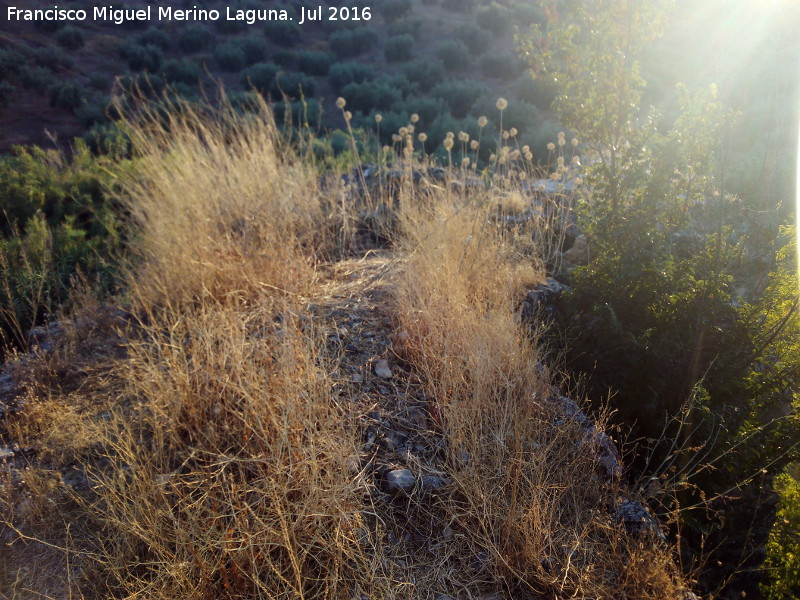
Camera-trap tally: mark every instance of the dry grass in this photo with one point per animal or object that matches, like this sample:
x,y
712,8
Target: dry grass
x,y
530,495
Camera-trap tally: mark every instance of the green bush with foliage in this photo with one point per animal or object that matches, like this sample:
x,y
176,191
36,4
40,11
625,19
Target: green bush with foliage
x,y
68,95
315,63
293,85
352,42
477,39
56,222
393,10
495,18
399,48
424,73
141,58
181,71
155,36
230,56
194,38
459,94
454,55
783,549
340,74
71,38
283,33
260,76
371,95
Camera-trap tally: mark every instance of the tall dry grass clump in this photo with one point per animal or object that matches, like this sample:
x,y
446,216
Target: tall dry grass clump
x,y
532,500
224,468
220,203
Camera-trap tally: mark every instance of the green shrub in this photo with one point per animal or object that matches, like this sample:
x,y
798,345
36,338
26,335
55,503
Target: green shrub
x,y
154,36
412,27
260,76
99,81
370,95
71,38
10,63
284,58
66,94
395,9
50,57
283,33
495,18
141,58
255,49
426,107
783,548
459,94
500,66
453,54
341,74
91,113
293,85
477,39
399,48
314,63
194,38
424,73
230,56
230,27
536,91
34,77
351,42
181,71
463,6
6,89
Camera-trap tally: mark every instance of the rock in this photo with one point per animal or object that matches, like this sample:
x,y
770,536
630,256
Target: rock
x,y
607,453
637,520
382,369
400,480
540,301
568,408
432,482
578,254
356,378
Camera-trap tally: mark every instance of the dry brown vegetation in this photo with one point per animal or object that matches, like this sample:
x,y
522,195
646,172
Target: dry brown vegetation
x,y
221,459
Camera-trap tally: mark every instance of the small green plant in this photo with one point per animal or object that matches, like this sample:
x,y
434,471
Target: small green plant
x,y
66,94
260,76
71,38
314,63
230,56
340,74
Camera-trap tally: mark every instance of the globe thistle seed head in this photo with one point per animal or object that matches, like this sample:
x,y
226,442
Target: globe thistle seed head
x,y
505,135
403,131
463,136
574,142
414,118
513,132
501,104
348,115
340,102
448,144
473,145
551,146
378,118
514,155
560,161
561,141
482,121
423,137
465,162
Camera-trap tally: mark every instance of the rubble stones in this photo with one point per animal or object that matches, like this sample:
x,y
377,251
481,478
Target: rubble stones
x,y
400,480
